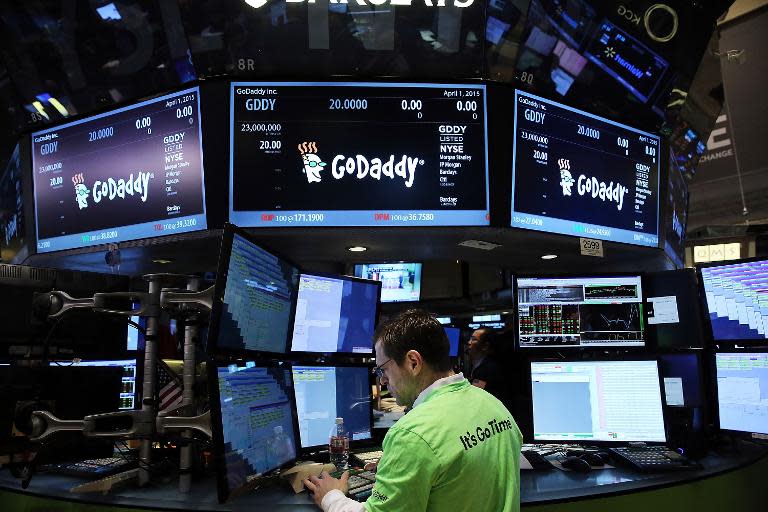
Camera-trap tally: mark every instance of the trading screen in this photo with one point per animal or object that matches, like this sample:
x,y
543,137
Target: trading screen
x,y
400,282
128,380
335,315
742,391
737,302
256,311
256,421
324,393
132,173
580,312
579,174
597,401
362,154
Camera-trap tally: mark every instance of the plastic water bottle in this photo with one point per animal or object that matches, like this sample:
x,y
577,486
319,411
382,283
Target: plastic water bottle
x,y
338,445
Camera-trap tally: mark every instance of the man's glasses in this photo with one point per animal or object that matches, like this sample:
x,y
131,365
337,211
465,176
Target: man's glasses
x,y
379,370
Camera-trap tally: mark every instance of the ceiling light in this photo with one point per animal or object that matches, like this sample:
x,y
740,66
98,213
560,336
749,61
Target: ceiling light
x,y
357,248
549,256
162,261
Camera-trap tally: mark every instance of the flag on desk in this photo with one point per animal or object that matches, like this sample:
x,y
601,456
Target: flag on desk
x,y
170,387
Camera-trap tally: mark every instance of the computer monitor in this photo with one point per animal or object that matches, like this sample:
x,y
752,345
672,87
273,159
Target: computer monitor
x,y
597,401
736,301
578,312
255,297
400,282
128,391
253,421
335,314
453,334
742,386
674,309
324,393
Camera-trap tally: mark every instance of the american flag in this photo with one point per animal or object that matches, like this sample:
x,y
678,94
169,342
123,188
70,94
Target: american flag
x,y
170,387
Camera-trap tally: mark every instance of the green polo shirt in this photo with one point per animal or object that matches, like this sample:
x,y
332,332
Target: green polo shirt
x,y
456,451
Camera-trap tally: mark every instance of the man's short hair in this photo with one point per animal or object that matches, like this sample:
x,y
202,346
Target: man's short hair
x,y
417,330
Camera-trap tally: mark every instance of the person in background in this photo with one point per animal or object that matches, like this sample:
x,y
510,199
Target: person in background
x,y
456,450
486,372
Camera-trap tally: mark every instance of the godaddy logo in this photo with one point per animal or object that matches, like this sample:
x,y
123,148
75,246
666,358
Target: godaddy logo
x,y
312,163
111,188
591,186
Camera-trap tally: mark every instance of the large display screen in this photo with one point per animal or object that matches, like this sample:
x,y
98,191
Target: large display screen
x,y
742,381
324,393
400,282
574,312
737,301
582,401
579,174
335,314
676,217
364,154
131,173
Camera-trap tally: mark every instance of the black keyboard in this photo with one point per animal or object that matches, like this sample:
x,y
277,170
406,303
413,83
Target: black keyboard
x,y
537,460
654,458
92,468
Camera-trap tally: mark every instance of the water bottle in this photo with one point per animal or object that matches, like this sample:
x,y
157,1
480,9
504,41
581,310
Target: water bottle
x,y
338,446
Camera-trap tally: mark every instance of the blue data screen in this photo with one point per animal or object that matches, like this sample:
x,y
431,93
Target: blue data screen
x,y
324,393
256,314
256,421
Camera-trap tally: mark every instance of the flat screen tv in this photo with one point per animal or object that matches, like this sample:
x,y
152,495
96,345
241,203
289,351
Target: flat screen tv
x,y
131,173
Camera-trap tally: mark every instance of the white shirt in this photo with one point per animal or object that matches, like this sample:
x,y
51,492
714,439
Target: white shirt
x,y
335,500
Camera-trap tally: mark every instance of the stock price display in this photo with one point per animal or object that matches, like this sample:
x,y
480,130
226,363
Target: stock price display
x,y
579,174
338,154
131,173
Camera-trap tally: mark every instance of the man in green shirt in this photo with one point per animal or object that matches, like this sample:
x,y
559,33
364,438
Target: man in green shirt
x,y
456,450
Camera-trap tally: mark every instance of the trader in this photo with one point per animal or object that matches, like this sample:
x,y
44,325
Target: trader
x,y
456,450
483,349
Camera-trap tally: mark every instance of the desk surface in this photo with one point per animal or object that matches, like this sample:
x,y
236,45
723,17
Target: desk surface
x,y
537,487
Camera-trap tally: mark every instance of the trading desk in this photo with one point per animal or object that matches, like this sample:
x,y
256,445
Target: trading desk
x,y
732,480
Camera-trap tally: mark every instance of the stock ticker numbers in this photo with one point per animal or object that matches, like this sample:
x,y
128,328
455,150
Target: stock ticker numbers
x,y
580,174
381,154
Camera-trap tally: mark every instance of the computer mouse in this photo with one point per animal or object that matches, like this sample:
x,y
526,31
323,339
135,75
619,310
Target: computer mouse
x,y
593,459
576,464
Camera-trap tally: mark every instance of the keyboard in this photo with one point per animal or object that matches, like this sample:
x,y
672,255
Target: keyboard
x,y
363,458
654,458
360,483
91,468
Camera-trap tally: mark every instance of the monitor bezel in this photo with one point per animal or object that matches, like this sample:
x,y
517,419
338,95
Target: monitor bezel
x,y
715,392
389,262
371,382
516,290
217,430
600,359
355,279
709,334
225,252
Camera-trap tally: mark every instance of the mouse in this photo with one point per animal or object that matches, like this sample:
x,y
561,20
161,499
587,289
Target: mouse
x,y
593,459
576,464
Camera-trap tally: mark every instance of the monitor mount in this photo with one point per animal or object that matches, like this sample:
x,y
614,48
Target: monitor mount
x,y
164,293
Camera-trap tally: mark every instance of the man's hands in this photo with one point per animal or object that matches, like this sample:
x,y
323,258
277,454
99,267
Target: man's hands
x,y
326,483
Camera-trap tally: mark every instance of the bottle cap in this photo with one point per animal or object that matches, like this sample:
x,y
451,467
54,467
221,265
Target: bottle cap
x,y
339,421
